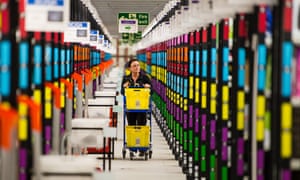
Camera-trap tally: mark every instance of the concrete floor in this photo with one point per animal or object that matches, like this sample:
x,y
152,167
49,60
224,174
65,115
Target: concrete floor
x,y
161,166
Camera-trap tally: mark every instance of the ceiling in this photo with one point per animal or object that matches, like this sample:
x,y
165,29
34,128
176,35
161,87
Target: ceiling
x,y
108,11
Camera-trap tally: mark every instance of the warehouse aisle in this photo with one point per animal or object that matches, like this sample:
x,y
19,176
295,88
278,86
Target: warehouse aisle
x,y
161,166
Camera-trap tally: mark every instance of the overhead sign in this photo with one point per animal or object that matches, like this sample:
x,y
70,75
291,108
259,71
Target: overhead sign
x,y
47,15
138,35
77,32
125,36
131,37
125,41
143,18
128,26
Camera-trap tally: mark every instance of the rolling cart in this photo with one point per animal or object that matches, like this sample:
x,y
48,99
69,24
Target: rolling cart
x,y
137,138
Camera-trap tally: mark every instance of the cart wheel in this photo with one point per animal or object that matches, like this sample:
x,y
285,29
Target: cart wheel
x,y
124,153
131,155
146,156
189,177
150,154
180,163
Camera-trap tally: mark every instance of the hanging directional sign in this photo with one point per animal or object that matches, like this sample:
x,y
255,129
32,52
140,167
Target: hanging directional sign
x,y
138,35
47,15
125,36
131,37
143,18
125,41
128,26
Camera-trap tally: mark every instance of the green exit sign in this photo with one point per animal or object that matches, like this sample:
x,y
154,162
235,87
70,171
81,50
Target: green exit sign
x,y
125,36
132,36
143,18
138,35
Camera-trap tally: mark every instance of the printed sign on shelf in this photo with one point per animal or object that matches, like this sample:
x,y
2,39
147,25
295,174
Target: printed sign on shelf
x,y
106,43
77,32
94,37
100,42
47,15
101,39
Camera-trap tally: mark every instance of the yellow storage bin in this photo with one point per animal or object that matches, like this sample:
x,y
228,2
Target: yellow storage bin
x,y
137,98
137,136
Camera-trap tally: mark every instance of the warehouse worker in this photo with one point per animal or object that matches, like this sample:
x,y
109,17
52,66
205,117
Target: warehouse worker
x,y
135,79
